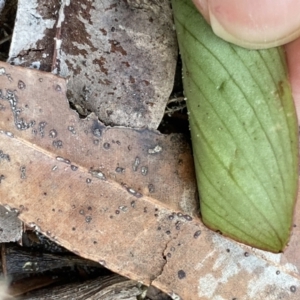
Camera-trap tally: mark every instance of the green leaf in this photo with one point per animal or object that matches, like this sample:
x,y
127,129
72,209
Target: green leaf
x,y
244,133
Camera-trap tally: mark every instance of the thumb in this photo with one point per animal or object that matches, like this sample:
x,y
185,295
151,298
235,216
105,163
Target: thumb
x,y
253,24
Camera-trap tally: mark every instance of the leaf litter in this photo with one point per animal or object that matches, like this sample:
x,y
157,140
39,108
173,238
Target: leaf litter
x,y
93,196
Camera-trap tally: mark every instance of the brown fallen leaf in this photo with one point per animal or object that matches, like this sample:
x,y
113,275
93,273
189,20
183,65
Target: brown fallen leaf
x,y
119,58
61,176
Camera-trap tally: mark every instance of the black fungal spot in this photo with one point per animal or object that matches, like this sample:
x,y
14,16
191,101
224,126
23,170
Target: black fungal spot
x,y
159,228
293,289
42,126
97,129
117,212
144,171
94,242
132,191
168,232
72,129
277,272
90,208
64,160
177,225
106,146
74,168
151,188
120,170
23,172
73,228
88,180
4,156
53,133
246,254
228,250
88,219
57,144
181,274
98,174
171,217
136,163
188,218
58,88
21,85
197,234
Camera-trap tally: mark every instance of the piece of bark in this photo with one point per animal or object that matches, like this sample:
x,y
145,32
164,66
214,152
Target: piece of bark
x,y
119,60
32,43
10,225
105,288
20,262
70,194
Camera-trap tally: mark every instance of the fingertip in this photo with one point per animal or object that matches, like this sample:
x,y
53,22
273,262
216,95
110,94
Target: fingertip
x,y
202,6
255,24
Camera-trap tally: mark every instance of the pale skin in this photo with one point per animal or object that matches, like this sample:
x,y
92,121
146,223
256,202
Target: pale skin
x,y
258,24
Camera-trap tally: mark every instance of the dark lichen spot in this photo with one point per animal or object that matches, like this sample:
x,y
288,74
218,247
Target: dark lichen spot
x,y
74,168
106,146
21,85
181,274
246,254
53,133
293,289
88,219
197,234
58,88
117,212
188,218
136,164
57,144
120,170
88,180
151,188
277,272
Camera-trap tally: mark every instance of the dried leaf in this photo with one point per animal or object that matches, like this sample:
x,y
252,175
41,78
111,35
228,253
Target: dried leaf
x,y
120,61
74,195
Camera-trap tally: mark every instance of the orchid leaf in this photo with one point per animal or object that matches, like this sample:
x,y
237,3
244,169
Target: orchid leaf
x,y
244,133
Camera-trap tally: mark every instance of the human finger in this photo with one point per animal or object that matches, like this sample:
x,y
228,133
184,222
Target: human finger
x,y
254,24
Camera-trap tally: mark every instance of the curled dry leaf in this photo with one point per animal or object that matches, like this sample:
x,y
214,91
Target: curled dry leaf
x,y
60,174
119,59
